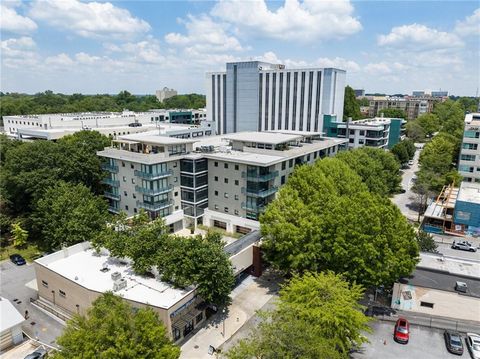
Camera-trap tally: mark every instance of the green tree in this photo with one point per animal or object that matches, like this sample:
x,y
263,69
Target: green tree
x,y
410,147
68,214
19,235
351,108
429,122
400,152
317,316
113,329
320,221
426,243
392,112
377,168
415,131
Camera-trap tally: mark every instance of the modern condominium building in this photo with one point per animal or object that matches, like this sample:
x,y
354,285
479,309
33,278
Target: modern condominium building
x,y
413,106
469,161
377,132
223,181
259,96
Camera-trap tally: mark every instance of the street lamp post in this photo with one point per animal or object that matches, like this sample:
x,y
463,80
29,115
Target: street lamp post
x,y
78,308
53,294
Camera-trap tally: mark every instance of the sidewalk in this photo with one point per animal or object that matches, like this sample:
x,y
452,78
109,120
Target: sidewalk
x,y
247,298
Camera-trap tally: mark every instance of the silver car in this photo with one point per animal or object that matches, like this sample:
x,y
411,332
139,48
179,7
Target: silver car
x,y
473,345
464,246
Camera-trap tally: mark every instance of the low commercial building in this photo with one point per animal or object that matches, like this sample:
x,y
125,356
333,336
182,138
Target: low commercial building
x,y
413,106
469,161
456,211
10,325
235,176
376,132
55,126
431,288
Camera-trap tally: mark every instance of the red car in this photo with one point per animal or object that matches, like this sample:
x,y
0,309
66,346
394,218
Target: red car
x,y
402,331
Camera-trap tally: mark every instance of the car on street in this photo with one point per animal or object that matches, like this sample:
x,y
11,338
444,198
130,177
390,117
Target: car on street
x,y
473,345
401,333
453,341
40,353
461,287
18,259
464,246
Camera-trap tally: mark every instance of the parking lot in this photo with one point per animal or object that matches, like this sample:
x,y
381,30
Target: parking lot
x,y
425,343
13,281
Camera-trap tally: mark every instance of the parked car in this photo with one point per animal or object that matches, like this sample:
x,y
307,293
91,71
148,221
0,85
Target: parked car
x,y
453,341
464,246
410,163
379,310
40,353
18,259
461,287
401,333
473,345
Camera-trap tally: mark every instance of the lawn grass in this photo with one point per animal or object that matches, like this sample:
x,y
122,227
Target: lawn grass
x,y
221,231
29,252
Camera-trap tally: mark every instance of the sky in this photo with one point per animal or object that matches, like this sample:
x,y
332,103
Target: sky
x,y
73,46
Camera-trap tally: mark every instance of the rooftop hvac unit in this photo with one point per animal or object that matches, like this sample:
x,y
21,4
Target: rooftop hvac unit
x,y
116,276
119,284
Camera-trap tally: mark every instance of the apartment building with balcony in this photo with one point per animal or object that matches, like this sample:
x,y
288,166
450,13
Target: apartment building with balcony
x,y
379,132
223,181
413,106
469,161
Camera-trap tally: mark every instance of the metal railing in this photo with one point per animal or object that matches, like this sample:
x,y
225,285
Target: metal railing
x,y
253,207
153,176
154,192
110,182
110,168
155,206
259,193
111,195
259,178
114,209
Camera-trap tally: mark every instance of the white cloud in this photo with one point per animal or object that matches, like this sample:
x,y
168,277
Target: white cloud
x,y
11,21
469,26
338,62
304,21
92,19
419,37
83,58
204,36
60,60
17,49
147,51
384,68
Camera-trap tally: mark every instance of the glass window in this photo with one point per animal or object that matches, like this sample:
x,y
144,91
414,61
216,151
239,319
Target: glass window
x,y
216,178
225,165
62,293
236,182
284,165
215,164
225,180
45,284
236,167
236,197
226,209
216,193
225,195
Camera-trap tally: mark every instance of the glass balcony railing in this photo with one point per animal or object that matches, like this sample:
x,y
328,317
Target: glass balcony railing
x,y
153,176
110,168
254,207
113,209
112,195
254,177
111,182
260,193
153,192
154,206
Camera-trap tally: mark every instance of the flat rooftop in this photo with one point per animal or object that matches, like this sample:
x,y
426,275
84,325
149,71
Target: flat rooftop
x,y
273,138
153,137
469,192
9,315
450,265
80,264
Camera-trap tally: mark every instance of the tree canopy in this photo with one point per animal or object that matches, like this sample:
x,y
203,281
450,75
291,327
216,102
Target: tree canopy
x,y
392,112
317,317
325,218
113,329
182,261
403,151
377,168
351,108
68,214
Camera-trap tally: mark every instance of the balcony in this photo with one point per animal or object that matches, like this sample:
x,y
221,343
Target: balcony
x,y
110,182
253,207
153,192
260,193
110,168
114,210
259,178
153,176
155,206
111,195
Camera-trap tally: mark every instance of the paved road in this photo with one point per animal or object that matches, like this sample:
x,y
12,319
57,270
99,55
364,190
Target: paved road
x,y
425,343
446,249
14,279
406,201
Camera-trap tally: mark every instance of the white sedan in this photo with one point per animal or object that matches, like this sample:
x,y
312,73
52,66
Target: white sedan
x,y
473,345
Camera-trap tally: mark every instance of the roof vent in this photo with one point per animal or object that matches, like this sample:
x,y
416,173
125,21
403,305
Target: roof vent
x,y
119,284
116,276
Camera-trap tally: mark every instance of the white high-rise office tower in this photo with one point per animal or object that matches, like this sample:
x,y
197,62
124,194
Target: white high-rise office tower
x,y
259,96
